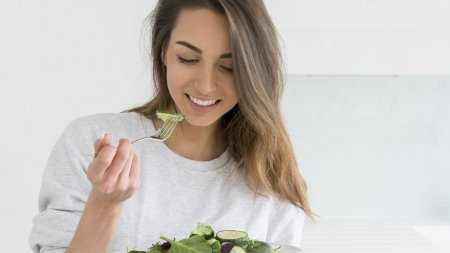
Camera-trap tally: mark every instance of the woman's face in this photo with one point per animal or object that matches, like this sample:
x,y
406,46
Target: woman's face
x,y
199,66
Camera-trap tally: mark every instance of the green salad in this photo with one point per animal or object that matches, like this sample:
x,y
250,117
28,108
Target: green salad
x,y
204,240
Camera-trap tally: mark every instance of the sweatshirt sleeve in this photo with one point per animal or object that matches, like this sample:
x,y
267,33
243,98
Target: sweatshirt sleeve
x,y
287,228
64,189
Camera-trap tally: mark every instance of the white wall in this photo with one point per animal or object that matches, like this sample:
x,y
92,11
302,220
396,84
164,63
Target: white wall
x,y
63,59
365,37
373,147
59,60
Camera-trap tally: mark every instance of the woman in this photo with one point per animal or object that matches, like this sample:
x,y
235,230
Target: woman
x,y
229,164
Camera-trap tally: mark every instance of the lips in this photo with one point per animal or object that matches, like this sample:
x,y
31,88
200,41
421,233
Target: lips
x,y
200,105
202,102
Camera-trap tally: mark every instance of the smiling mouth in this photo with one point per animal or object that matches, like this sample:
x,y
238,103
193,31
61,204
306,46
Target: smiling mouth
x,y
201,102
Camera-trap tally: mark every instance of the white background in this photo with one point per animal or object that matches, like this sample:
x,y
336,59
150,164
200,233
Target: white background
x,y
367,102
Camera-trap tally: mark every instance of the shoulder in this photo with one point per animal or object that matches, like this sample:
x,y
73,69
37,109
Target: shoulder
x,y
286,225
113,123
112,120
289,211
85,130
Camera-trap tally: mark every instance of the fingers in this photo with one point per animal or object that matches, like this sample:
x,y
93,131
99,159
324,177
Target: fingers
x,y
104,156
125,173
124,151
134,172
97,143
114,172
101,142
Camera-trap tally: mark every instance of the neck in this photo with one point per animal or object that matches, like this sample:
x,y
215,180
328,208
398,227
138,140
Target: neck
x,y
194,142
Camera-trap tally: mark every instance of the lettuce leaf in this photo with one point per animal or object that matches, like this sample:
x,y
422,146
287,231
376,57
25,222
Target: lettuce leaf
x,y
193,244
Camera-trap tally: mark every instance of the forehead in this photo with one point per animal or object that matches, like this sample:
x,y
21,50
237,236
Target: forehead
x,y
203,28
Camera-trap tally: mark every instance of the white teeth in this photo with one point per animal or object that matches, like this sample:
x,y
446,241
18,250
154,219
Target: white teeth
x,y
202,102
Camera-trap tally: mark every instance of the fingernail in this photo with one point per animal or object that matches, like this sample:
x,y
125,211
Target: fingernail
x,y
100,138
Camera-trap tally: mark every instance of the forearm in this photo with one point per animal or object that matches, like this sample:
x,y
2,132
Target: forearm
x,y
96,227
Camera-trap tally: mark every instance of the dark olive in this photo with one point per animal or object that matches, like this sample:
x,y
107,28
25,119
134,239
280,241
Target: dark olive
x,y
226,247
165,245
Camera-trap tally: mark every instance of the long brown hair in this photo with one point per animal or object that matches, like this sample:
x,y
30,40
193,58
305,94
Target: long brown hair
x,y
254,128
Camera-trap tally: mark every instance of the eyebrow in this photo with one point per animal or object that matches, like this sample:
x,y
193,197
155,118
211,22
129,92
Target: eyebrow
x,y
198,50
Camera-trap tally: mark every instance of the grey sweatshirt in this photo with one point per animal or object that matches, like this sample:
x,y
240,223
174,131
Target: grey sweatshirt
x,y
175,193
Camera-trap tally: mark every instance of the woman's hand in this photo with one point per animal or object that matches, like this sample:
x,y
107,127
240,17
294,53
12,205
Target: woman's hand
x,y
114,172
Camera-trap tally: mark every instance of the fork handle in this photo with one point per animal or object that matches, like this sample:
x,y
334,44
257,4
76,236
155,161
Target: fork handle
x,y
144,138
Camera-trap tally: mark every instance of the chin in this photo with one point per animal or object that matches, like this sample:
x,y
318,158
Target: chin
x,y
201,122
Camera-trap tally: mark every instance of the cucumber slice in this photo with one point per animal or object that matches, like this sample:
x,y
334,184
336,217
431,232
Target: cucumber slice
x,y
165,115
237,249
231,235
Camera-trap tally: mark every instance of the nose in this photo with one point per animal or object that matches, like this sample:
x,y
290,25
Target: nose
x,y
206,81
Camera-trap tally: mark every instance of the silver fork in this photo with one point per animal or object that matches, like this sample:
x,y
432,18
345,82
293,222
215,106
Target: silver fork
x,y
161,134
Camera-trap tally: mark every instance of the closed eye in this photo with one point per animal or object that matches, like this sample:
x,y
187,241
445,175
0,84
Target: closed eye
x,y
227,68
188,61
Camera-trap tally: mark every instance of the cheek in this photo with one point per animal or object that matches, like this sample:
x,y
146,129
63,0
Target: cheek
x,y
177,76
232,90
